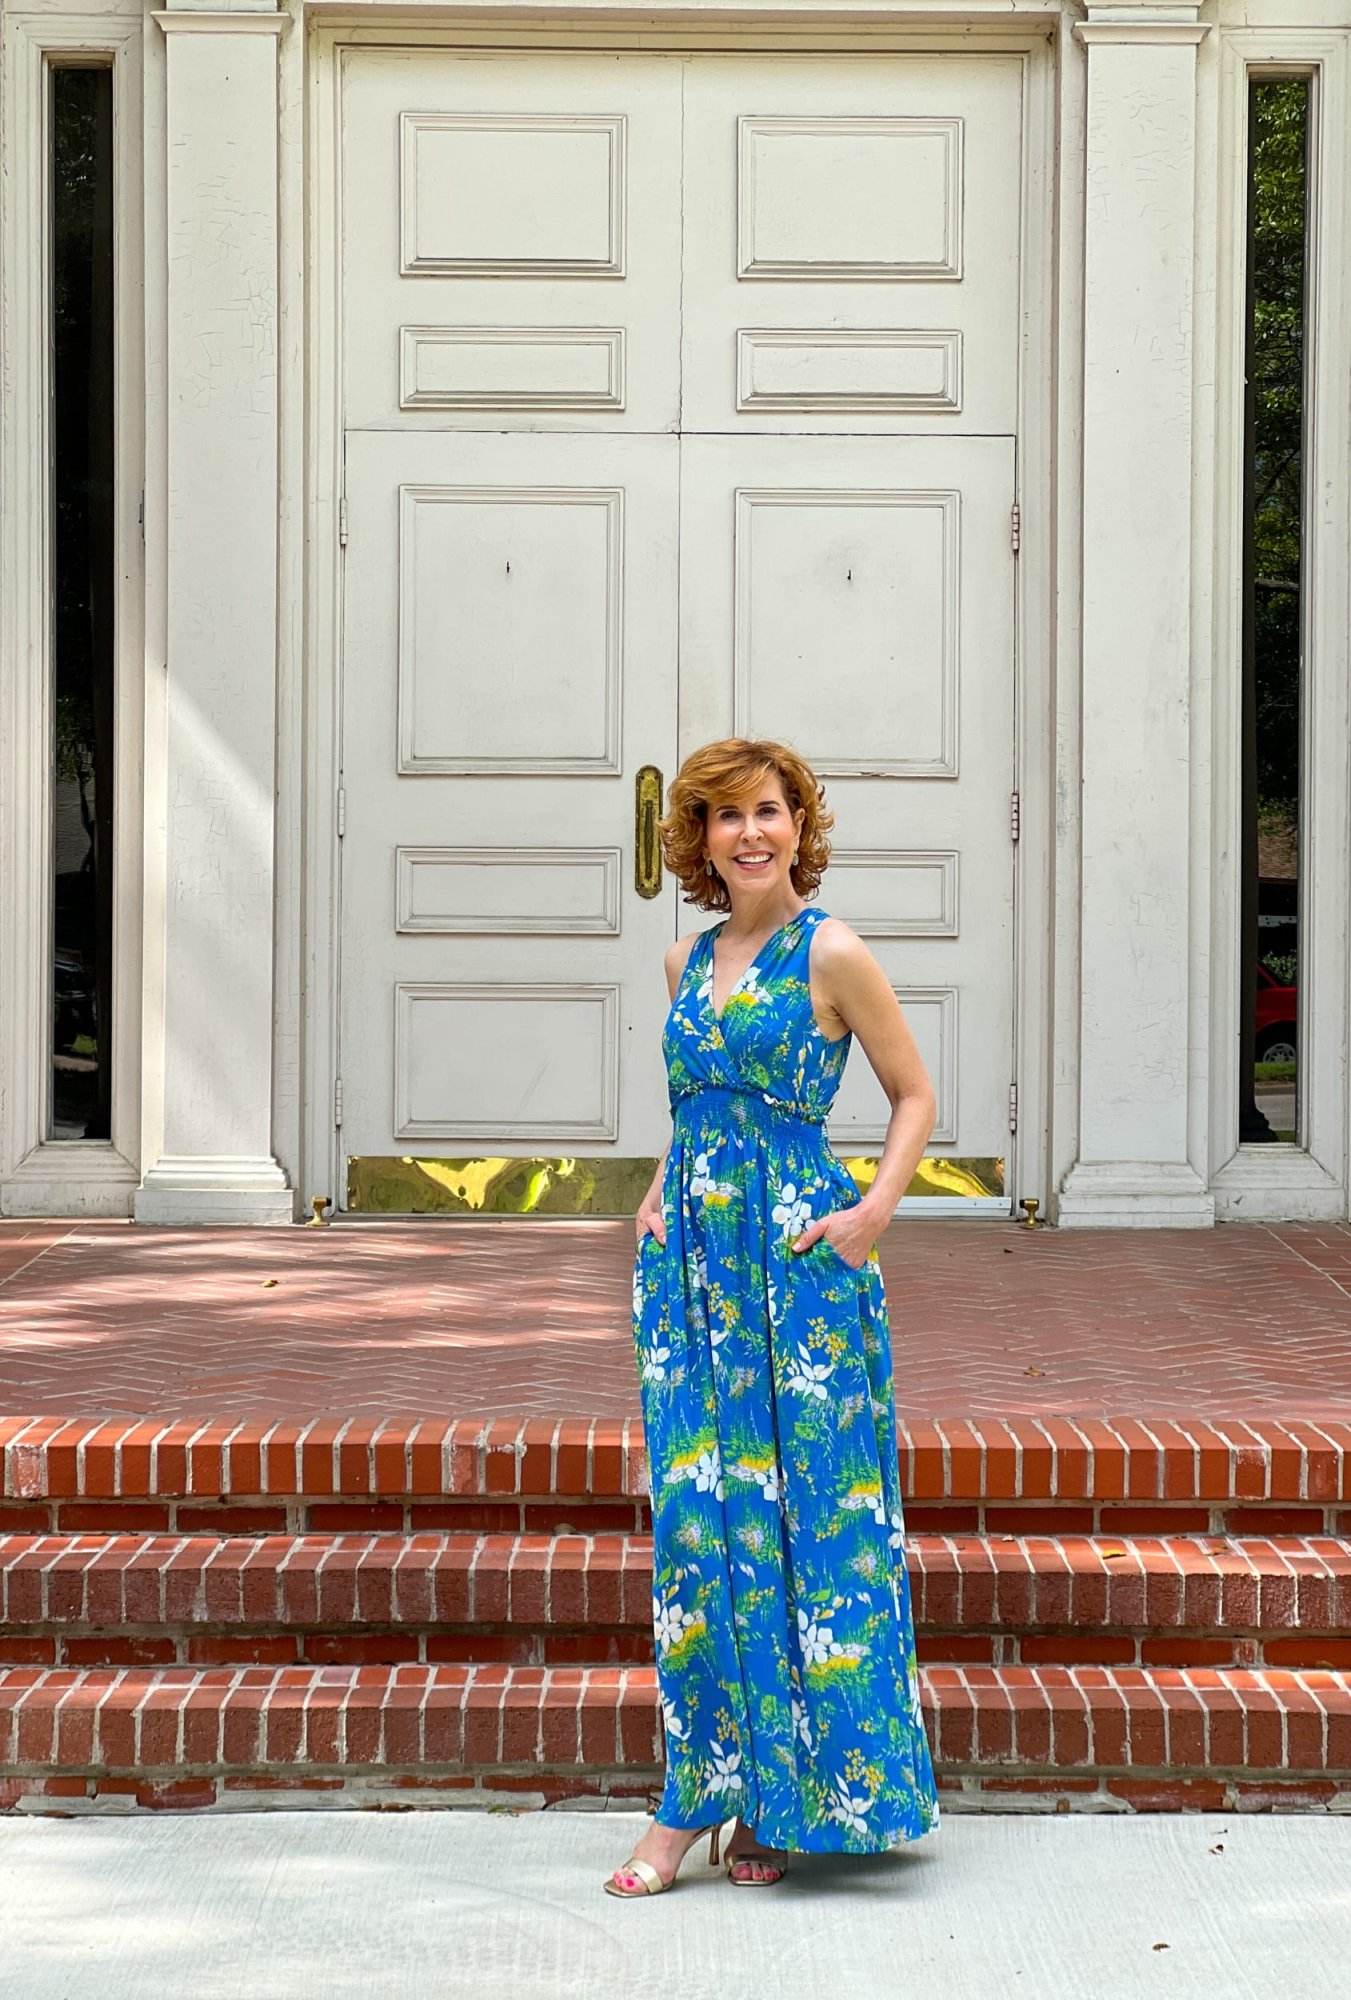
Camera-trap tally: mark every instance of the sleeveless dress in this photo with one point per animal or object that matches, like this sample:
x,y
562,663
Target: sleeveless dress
x,y
785,1641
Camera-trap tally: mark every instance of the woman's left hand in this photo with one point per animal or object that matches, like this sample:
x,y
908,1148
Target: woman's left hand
x,y
850,1235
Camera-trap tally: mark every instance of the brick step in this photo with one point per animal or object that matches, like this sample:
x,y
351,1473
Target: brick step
x,y
1142,1738
91,1600
88,1600
1115,1474
1147,1600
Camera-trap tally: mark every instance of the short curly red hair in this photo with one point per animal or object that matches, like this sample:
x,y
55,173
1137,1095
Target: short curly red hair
x,y
727,770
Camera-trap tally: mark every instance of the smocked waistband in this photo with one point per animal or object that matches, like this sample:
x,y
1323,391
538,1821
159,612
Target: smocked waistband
x,y
751,1105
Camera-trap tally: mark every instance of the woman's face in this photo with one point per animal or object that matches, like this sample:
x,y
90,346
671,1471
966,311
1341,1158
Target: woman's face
x,y
751,841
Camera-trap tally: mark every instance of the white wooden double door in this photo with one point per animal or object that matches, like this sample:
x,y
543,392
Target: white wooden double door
x,y
678,400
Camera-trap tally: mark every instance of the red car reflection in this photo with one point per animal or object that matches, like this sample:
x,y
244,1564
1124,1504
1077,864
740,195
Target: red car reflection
x,y
1274,1040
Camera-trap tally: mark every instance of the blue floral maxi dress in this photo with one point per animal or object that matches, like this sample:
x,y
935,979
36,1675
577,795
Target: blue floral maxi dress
x,y
781,1603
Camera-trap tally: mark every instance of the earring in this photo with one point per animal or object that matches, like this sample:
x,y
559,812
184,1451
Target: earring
x,y
708,866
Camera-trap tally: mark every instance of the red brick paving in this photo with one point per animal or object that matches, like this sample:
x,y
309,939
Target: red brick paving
x,y
521,1320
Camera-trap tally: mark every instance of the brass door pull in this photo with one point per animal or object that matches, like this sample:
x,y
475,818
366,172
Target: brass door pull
x,y
646,845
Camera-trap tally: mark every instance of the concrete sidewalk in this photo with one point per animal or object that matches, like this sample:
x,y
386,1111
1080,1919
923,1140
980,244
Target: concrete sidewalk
x,y
283,1906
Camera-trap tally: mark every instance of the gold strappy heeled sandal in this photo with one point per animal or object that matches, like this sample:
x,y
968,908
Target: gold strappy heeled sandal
x,y
773,1860
653,1883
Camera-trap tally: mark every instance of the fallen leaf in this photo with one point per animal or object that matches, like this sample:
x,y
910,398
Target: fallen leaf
x,y
269,1281
1034,1371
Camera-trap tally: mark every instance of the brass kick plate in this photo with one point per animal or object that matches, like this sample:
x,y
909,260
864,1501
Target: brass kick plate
x,y
552,1185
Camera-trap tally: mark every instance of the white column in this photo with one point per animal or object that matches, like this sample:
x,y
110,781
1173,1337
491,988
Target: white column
x,y
214,1160
1133,1166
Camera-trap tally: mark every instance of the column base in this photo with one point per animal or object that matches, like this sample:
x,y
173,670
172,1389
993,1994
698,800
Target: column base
x,y
185,1193
1134,1194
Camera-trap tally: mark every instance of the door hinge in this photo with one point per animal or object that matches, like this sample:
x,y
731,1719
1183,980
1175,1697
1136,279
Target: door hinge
x,y
1015,815
1015,527
1013,1107
342,811
337,1100
342,522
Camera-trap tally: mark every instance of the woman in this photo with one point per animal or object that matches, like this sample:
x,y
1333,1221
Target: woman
x,y
781,1603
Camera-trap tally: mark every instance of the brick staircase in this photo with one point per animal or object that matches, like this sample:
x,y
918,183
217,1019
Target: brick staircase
x,y
1111,1615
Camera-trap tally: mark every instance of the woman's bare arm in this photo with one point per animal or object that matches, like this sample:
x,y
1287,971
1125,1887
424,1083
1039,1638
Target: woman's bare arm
x,y
855,987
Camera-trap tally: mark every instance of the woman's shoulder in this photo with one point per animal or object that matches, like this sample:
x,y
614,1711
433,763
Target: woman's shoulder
x,y
835,942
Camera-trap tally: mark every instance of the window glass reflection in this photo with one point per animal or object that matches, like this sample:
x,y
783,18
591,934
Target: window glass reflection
x,y
82,600
1273,607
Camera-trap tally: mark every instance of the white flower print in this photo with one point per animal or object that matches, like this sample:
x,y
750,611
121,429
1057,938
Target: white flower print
x,y
790,1211
671,1716
802,1727
725,1777
818,1642
849,1807
701,1268
654,1363
772,1302
765,1477
808,1377
896,1539
671,1622
699,1179
708,1473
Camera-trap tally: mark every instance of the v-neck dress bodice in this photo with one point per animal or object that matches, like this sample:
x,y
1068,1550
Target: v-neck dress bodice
x,y
782,1617
766,1041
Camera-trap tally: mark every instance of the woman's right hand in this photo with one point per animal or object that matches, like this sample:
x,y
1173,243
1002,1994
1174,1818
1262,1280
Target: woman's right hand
x,y
650,1217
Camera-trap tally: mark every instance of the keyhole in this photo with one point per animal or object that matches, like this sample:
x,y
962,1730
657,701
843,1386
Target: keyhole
x,y
849,576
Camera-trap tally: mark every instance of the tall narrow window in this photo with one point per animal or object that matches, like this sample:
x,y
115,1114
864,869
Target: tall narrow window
x,y
81,434
1273,951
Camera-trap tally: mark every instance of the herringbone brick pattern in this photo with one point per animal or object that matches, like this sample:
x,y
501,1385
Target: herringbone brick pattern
x,y
531,1320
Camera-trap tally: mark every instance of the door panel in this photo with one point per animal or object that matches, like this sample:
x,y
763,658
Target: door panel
x,y
511,237
510,661
854,597
851,244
